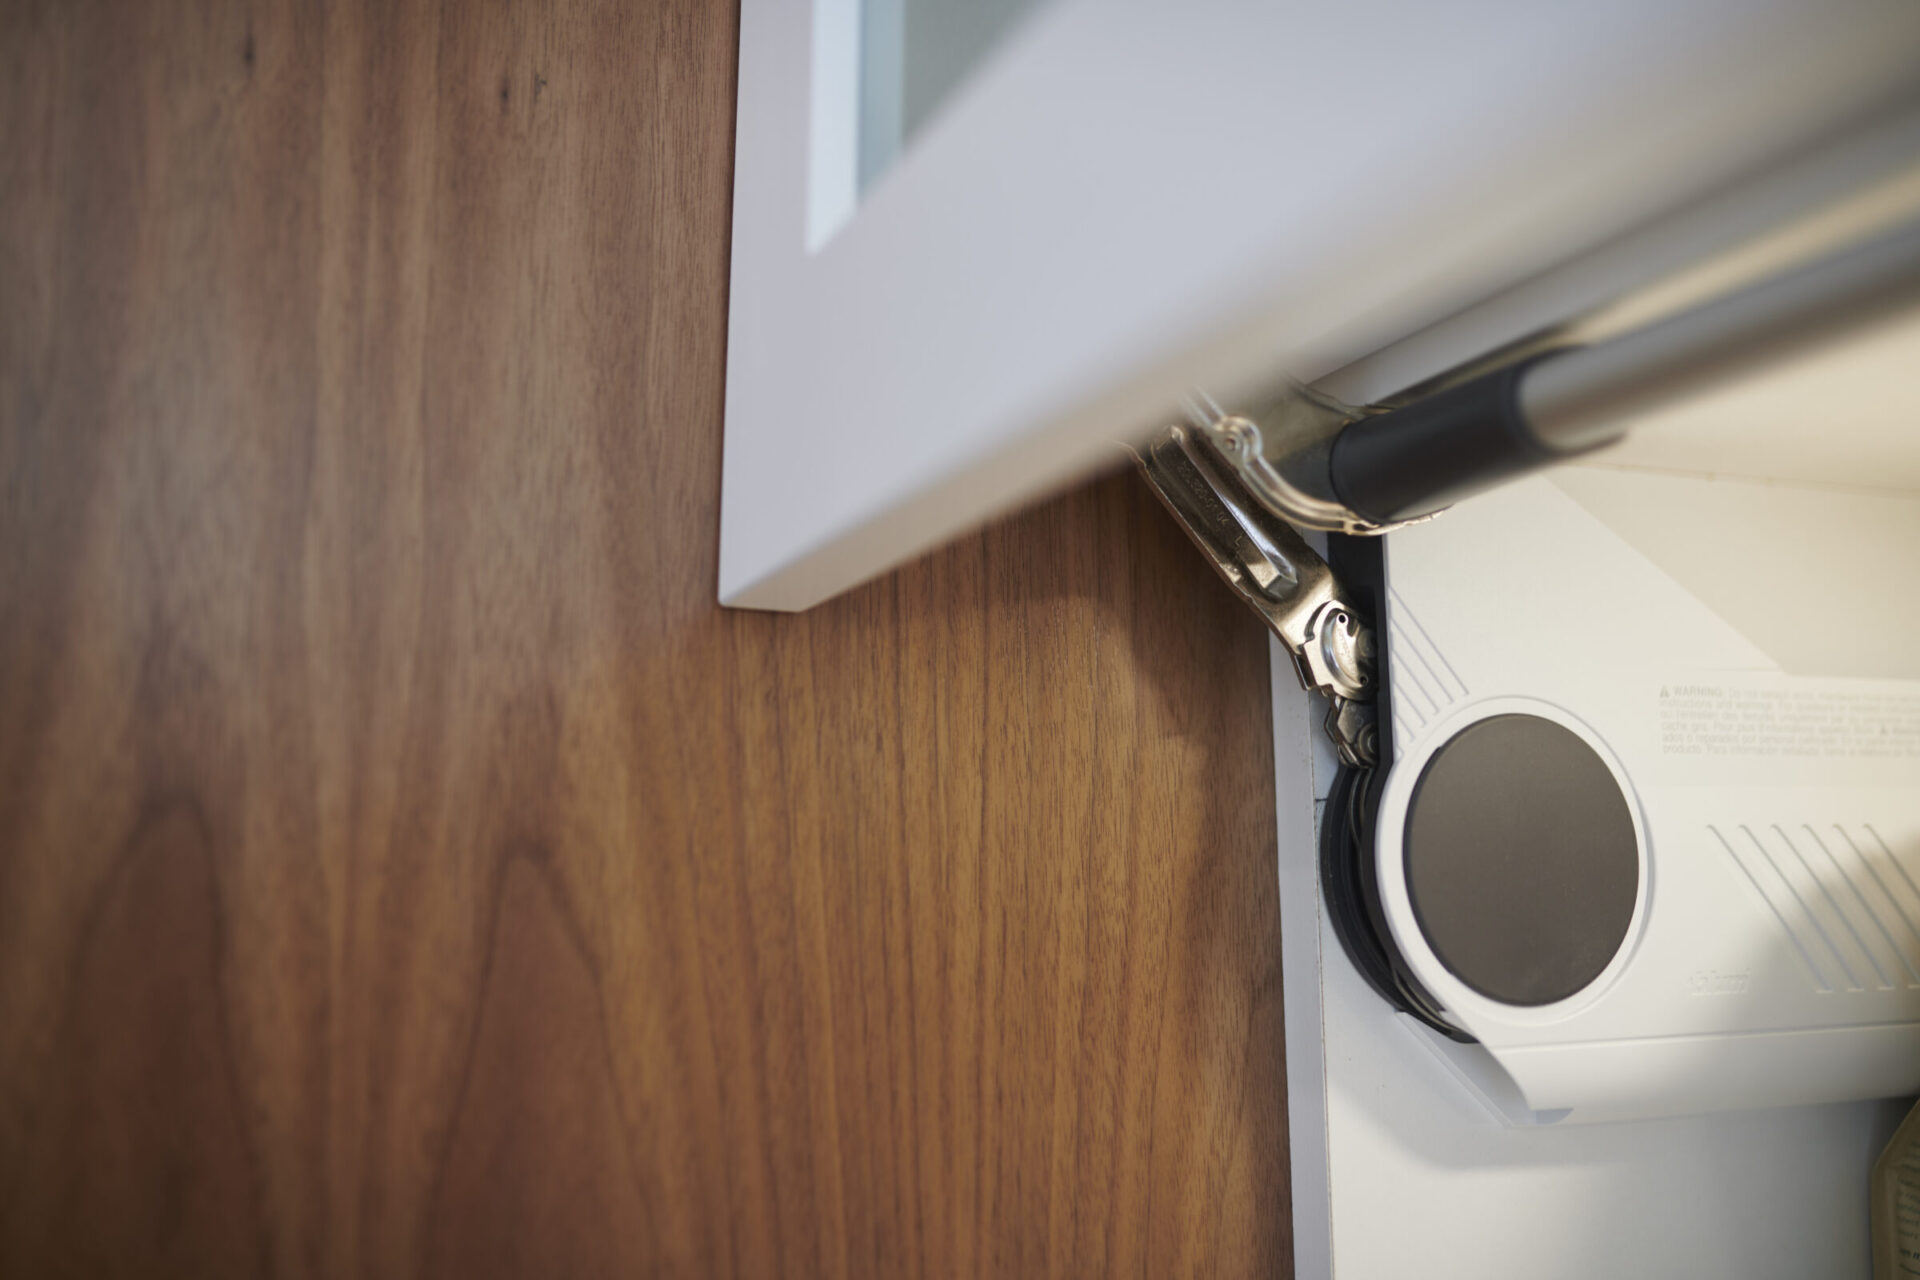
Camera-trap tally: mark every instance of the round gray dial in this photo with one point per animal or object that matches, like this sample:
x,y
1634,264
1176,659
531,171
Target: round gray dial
x,y
1521,859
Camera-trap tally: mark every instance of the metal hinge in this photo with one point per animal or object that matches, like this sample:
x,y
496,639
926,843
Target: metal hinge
x,y
1198,472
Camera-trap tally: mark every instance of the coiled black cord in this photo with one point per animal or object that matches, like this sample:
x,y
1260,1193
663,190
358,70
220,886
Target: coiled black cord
x,y
1351,890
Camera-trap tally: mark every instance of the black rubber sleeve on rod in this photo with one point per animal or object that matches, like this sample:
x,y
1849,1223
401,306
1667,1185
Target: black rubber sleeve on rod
x,y
1416,460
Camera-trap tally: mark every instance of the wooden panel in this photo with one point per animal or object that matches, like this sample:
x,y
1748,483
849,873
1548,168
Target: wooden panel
x,y
405,868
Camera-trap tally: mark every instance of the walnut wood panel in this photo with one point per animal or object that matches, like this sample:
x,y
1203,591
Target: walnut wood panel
x,y
406,868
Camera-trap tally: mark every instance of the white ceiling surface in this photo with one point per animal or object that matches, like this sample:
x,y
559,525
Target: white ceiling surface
x,y
1132,198
1825,581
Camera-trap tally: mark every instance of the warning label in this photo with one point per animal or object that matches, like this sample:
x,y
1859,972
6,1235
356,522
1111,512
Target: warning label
x,y
1729,720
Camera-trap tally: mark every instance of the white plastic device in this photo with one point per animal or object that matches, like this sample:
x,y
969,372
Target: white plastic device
x,y
1773,955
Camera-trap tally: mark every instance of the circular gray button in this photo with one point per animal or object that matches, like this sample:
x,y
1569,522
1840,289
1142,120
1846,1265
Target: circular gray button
x,y
1521,859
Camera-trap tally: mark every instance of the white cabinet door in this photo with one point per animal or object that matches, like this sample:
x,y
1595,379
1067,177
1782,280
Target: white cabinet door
x,y
1121,201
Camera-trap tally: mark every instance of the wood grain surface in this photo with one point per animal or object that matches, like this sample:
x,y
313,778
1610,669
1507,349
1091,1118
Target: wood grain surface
x,y
407,869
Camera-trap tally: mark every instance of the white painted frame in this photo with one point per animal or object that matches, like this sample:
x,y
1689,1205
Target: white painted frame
x,y
1132,198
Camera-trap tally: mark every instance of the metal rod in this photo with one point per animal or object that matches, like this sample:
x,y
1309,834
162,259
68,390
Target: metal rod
x,y
1588,396
1415,460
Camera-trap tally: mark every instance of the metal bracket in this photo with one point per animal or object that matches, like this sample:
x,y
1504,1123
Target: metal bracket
x,y
1273,569
1281,453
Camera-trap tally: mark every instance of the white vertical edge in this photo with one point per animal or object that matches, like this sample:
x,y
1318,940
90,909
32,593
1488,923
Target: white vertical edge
x,y
1294,799
833,119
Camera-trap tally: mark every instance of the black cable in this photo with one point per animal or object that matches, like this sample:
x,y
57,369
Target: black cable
x,y
1352,896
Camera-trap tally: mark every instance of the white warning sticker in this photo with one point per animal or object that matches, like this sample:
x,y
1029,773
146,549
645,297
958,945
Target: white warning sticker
x,y
1761,721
